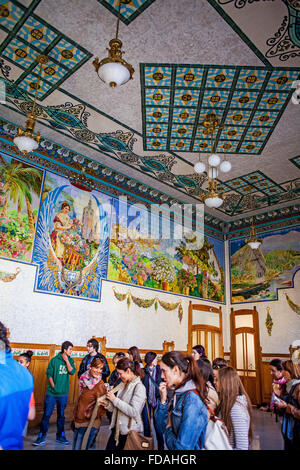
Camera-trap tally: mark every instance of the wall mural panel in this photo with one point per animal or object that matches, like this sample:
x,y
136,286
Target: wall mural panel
x,y
20,189
258,274
164,262
71,248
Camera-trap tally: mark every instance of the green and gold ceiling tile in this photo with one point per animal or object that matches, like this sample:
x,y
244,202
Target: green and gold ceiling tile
x,y
156,130
215,98
130,9
244,99
157,96
247,189
232,133
184,115
29,85
264,118
182,130
282,80
219,78
250,147
158,76
51,72
156,144
157,115
201,145
67,54
296,161
10,14
36,33
226,146
189,77
180,145
257,133
250,79
235,116
20,53
219,113
254,177
186,97
272,100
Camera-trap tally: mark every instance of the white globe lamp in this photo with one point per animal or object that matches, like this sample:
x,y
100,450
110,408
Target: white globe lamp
x,y
225,166
199,167
214,159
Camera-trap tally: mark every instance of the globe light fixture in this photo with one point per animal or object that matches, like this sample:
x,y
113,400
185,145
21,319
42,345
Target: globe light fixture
x,y
199,167
213,172
26,140
114,70
225,166
212,198
253,241
214,159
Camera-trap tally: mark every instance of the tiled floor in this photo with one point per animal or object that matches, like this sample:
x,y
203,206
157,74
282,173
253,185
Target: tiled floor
x,y
267,435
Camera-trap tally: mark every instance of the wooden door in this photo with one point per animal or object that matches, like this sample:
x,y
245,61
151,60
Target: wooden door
x,y
246,351
205,327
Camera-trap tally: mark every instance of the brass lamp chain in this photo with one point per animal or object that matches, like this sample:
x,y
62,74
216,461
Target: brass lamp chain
x,y
37,87
118,21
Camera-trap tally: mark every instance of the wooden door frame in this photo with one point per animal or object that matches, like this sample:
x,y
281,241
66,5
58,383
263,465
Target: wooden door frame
x,y
258,350
191,327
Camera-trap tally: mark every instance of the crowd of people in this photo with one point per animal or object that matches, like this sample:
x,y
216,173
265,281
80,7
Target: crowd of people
x,y
180,396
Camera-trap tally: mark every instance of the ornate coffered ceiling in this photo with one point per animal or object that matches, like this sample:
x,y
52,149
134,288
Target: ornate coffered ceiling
x,y
170,44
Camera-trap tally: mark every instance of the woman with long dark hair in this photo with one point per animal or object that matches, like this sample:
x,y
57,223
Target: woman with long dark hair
x,y
183,421
234,407
152,380
198,352
127,406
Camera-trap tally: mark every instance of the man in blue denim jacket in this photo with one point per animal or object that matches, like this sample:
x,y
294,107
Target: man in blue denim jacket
x,y
184,427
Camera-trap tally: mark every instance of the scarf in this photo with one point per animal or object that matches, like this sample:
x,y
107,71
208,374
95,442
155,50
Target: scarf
x,y
152,387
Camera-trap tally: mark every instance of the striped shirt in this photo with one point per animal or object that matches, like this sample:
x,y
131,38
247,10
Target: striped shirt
x,y
239,436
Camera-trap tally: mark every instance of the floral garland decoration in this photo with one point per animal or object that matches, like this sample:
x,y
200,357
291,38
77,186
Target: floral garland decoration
x,y
294,307
8,277
147,303
269,322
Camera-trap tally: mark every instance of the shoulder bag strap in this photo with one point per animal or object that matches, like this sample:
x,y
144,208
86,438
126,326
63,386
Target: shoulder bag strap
x,y
94,415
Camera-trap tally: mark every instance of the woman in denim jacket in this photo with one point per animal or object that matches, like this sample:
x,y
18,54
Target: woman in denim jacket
x,y
183,421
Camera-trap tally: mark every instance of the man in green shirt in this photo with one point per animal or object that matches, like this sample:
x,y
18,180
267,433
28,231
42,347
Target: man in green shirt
x,y
58,371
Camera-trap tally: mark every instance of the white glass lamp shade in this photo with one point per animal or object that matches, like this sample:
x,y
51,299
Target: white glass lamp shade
x,y
25,144
254,245
225,166
214,159
213,202
114,74
199,167
212,172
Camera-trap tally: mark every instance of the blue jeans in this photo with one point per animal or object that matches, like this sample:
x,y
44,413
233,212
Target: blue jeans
x,y
49,405
78,437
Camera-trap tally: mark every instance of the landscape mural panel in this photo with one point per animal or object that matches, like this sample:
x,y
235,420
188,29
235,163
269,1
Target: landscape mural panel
x,y
20,189
164,262
258,274
71,248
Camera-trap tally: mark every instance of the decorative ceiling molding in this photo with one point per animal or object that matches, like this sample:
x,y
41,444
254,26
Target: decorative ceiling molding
x,y
271,28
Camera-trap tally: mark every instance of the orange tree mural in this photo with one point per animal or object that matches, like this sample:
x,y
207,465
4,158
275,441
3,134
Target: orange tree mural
x,y
166,264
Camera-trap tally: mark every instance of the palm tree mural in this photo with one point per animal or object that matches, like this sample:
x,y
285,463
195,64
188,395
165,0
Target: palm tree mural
x,y
19,182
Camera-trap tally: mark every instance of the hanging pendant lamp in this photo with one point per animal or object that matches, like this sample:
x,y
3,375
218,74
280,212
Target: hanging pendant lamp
x,y
114,70
26,140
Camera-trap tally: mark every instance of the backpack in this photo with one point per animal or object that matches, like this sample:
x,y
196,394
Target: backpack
x,y
216,436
